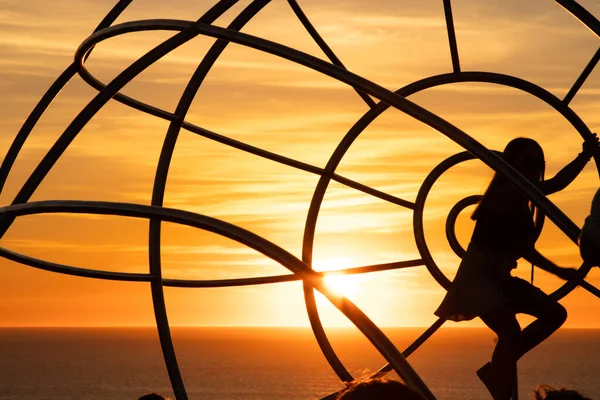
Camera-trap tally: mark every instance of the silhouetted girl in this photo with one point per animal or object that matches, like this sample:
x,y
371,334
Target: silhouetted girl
x,y
504,232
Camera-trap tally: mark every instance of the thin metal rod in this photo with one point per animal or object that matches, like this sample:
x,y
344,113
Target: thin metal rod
x,y
373,192
262,280
451,36
584,75
451,222
236,144
324,46
590,288
75,271
418,228
189,283
160,182
583,15
154,240
168,116
416,344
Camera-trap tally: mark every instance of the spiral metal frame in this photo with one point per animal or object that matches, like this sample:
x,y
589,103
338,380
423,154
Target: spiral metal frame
x,y
301,269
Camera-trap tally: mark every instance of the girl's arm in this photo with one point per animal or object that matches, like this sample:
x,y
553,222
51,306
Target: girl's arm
x,y
534,257
570,171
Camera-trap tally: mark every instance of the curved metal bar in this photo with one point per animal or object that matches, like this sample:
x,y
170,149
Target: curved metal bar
x,y
112,15
504,80
186,101
75,271
590,288
262,280
451,36
373,192
188,283
310,228
158,297
583,15
32,120
323,45
124,28
413,346
568,286
236,144
47,98
163,114
160,182
442,167
376,267
581,79
240,235
451,222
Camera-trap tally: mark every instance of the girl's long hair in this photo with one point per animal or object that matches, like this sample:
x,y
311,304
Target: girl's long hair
x,y
513,151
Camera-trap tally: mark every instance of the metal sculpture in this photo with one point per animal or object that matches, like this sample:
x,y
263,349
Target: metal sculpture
x,y
301,269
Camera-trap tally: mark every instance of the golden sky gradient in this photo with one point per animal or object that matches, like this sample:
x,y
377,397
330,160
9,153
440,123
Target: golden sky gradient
x,y
281,107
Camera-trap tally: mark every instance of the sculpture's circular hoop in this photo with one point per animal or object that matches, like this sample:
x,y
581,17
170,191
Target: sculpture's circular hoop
x,y
418,214
451,222
370,116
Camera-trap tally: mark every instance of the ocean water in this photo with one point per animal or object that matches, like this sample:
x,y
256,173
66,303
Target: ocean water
x,y
267,363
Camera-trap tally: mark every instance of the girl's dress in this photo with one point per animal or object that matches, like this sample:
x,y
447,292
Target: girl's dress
x,y
498,241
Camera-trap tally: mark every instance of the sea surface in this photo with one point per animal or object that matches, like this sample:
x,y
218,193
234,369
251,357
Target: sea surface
x,y
267,363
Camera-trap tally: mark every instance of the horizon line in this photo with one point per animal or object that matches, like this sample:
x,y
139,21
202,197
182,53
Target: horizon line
x,y
251,327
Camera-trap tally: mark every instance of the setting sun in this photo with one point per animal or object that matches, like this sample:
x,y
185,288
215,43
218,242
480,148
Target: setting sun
x,y
344,285
340,283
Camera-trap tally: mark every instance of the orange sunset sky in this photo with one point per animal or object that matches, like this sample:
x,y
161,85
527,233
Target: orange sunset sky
x,y
285,108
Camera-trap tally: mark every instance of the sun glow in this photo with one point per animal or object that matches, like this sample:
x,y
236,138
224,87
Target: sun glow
x,y
343,285
338,282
